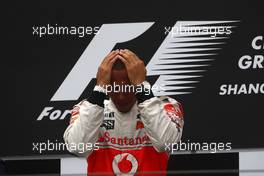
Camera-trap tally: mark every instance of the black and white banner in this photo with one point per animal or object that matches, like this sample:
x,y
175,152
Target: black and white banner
x,y
209,59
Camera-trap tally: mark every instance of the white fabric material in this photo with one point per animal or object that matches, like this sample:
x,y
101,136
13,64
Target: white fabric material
x,y
158,126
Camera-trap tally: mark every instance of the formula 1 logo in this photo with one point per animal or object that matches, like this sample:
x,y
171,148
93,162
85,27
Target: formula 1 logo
x,y
185,54
175,61
124,164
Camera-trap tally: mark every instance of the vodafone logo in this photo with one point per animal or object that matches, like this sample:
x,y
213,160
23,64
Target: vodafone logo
x,y
125,164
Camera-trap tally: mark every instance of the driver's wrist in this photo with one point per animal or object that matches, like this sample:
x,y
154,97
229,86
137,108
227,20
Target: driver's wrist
x,y
145,91
98,96
100,88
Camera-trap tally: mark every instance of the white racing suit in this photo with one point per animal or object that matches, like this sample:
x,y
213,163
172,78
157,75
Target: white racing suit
x,y
131,143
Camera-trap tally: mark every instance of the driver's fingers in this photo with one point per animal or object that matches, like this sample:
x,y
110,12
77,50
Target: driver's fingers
x,y
129,52
112,61
134,56
110,56
124,61
127,56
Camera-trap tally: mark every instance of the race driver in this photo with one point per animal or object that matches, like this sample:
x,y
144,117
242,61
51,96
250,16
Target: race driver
x,y
129,131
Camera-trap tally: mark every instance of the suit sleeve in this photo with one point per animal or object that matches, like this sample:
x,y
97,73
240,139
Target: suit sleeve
x,y
84,128
163,121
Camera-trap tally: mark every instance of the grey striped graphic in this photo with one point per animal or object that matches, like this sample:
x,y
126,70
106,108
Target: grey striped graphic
x,y
185,55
